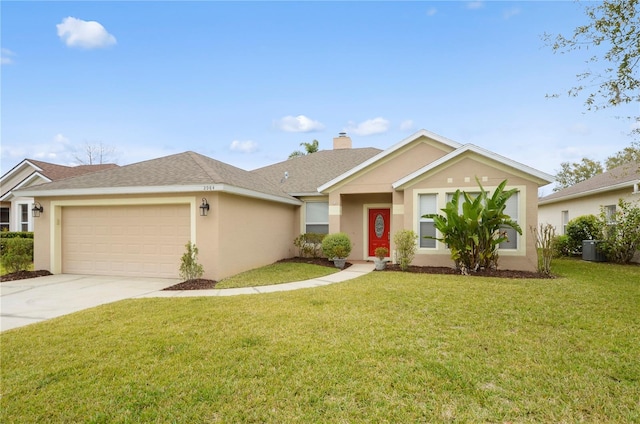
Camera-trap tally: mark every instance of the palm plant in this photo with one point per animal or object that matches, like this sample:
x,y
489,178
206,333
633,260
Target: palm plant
x,y
474,229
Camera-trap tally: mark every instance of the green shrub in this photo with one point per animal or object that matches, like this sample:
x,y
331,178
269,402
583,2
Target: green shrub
x,y
309,244
336,245
17,254
585,227
190,269
560,246
621,232
6,235
406,246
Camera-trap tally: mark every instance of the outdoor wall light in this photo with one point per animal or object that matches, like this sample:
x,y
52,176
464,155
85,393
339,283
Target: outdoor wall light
x,y
204,207
36,210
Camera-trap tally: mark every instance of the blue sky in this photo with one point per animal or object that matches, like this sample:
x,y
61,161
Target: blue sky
x,y
247,82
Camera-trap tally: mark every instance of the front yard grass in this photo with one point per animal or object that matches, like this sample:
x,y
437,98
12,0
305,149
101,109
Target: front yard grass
x,y
276,273
386,347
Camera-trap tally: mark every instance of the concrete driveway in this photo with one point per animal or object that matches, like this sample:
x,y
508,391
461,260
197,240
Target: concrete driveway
x,y
32,300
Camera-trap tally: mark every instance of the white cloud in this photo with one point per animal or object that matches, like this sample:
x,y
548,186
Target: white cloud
x,y
407,125
432,11
474,5
84,34
243,146
369,127
509,13
298,123
6,57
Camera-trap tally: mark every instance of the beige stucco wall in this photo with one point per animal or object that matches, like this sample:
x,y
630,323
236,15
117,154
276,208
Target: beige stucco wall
x,y
250,233
589,205
352,198
239,233
462,174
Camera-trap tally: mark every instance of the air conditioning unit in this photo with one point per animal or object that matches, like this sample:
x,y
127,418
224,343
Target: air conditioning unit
x,y
591,251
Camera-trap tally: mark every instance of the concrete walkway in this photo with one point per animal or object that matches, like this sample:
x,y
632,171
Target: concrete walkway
x,y
355,270
24,302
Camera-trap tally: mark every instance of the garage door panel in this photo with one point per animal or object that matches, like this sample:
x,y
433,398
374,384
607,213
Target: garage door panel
x,y
145,241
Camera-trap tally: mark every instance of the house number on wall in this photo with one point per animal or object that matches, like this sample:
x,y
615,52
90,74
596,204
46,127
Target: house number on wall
x,y
379,225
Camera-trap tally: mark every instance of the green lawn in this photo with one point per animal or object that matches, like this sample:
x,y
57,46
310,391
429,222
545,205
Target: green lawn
x,y
276,273
386,347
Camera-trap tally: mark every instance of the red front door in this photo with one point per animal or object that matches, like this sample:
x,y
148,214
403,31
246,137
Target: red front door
x,y
379,229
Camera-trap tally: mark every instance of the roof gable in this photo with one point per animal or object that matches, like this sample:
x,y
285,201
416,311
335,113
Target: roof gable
x,y
31,172
540,177
625,175
386,154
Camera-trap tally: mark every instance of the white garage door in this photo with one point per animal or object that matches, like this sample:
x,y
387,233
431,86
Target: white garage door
x,y
140,241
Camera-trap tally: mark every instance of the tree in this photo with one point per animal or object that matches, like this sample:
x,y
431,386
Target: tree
x,y
95,154
308,147
573,173
626,155
613,33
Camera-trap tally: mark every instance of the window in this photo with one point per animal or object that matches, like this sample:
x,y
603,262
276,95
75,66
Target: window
x,y
317,217
4,219
610,213
565,221
24,217
428,205
512,210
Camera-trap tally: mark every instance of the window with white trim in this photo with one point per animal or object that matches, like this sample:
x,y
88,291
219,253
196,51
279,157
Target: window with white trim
x,y
610,213
317,217
511,209
24,216
428,204
565,221
4,219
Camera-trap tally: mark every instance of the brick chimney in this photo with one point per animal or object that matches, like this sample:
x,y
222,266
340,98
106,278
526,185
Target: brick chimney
x,y
342,141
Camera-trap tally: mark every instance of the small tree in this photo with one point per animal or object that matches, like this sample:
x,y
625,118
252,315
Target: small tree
x,y
621,232
406,246
585,227
544,235
190,269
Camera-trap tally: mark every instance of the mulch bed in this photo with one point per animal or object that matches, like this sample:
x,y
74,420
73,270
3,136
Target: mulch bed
x,y
22,275
500,273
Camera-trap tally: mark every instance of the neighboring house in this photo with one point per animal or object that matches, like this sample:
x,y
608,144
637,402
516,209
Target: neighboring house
x,y
15,211
136,220
587,197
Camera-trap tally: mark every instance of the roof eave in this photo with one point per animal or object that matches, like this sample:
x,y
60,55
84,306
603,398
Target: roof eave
x,y
542,177
589,193
105,191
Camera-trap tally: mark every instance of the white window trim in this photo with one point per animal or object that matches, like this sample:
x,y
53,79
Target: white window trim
x,y
419,220
303,213
17,216
442,202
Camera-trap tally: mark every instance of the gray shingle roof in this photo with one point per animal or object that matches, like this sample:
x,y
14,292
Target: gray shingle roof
x,y
181,169
307,173
626,174
59,172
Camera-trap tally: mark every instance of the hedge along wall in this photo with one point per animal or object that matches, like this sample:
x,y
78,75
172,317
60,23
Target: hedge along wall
x,y
5,235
